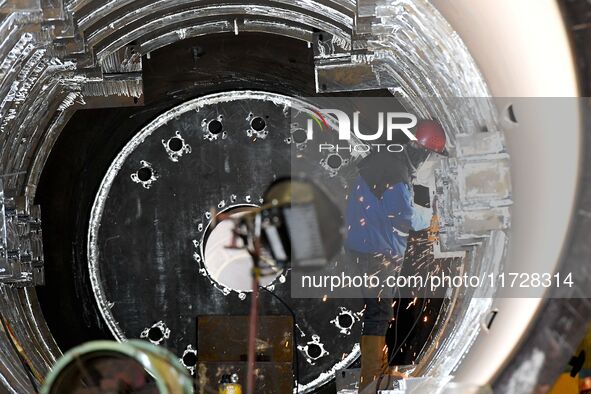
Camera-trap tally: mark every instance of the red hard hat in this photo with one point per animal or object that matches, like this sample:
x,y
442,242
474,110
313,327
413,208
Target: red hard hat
x,y
430,135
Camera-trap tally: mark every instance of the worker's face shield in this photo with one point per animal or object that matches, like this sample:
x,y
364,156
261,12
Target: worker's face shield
x,y
417,155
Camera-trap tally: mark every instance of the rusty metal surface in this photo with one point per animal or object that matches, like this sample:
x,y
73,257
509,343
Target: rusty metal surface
x,y
271,377
274,338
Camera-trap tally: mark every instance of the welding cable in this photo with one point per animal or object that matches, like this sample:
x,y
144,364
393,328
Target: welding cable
x,y
25,365
295,340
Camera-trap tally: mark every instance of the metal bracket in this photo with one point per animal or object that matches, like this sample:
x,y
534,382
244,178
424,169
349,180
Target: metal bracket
x,y
342,66
21,246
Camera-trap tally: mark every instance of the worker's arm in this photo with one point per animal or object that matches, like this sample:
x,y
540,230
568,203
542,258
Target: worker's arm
x,y
421,217
404,214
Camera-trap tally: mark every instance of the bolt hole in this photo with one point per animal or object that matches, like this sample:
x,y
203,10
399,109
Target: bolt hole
x,y
175,144
345,320
215,126
299,136
320,37
155,334
258,123
314,351
334,161
144,174
190,359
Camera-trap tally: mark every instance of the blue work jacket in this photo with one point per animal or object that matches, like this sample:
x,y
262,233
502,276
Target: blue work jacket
x,y
380,224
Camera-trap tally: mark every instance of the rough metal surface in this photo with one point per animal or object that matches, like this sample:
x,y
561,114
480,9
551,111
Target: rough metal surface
x,y
152,212
56,53
58,56
21,248
48,65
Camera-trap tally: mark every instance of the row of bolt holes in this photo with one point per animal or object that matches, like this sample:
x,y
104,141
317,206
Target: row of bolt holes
x,y
314,351
333,160
175,144
155,334
190,360
215,126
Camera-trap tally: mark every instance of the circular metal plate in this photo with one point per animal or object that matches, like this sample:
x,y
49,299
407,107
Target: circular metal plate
x,y
151,216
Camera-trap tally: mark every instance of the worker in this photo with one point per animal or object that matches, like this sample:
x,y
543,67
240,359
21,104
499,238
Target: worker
x,y
380,213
